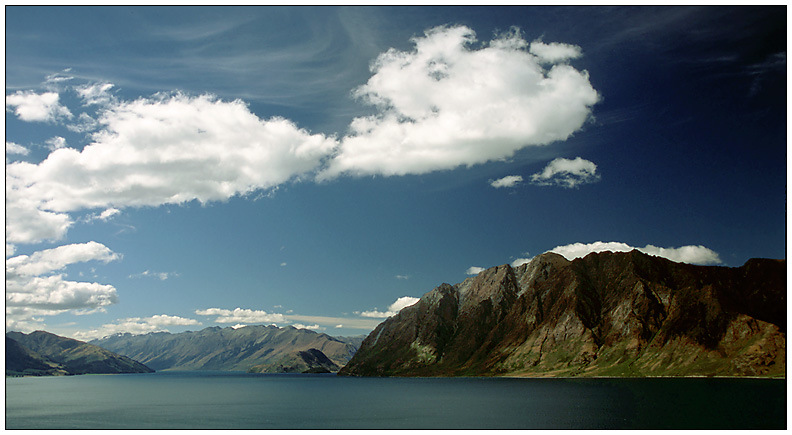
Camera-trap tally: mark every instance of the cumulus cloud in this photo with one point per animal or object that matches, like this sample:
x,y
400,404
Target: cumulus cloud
x,y
446,104
507,181
34,290
567,173
163,150
475,270
239,315
136,326
30,106
693,254
14,148
393,309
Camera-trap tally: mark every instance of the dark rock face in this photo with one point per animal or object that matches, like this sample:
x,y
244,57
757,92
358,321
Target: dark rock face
x,y
268,349
43,353
608,314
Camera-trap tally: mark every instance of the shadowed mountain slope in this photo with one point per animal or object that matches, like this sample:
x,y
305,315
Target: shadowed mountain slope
x,y
43,353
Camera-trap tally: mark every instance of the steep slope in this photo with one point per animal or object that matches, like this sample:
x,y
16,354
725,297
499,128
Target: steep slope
x,y
218,348
32,352
608,314
21,361
299,361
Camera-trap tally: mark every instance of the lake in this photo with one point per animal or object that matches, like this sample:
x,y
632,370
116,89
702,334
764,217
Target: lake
x,y
235,400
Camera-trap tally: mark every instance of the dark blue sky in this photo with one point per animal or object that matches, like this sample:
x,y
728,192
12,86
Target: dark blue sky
x,y
686,141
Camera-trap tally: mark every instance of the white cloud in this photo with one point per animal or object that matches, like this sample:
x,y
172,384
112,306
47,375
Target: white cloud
x,y
567,173
554,52
474,270
164,150
104,216
239,315
32,289
339,326
55,143
54,259
14,148
507,181
393,309
405,277
30,106
446,104
686,254
136,326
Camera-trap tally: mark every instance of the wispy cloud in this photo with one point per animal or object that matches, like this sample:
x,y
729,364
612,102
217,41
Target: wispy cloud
x,y
162,276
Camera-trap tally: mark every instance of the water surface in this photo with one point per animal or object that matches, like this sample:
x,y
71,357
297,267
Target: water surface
x,y
235,400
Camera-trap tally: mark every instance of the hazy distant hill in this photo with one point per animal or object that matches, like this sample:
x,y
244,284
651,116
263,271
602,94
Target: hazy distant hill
x,y
267,348
608,314
43,353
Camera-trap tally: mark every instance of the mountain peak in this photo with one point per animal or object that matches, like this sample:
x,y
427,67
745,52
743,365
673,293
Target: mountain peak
x,y
622,314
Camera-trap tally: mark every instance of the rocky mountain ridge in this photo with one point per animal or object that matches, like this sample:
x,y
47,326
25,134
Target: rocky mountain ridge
x,y
607,314
257,348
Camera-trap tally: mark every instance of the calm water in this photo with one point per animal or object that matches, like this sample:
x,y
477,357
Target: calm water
x,y
233,400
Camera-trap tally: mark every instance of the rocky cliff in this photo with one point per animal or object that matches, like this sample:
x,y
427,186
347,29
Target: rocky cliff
x,y
608,314
268,348
42,353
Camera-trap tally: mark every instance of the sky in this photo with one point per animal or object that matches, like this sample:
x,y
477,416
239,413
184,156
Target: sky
x,y
176,168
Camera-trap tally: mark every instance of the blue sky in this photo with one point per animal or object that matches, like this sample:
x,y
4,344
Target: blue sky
x,y
179,168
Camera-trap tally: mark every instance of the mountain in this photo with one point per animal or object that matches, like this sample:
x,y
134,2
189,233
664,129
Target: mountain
x,y
607,314
43,353
268,349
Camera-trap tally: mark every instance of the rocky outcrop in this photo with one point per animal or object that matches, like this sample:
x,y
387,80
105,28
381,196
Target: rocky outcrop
x,y
303,361
265,347
42,353
608,314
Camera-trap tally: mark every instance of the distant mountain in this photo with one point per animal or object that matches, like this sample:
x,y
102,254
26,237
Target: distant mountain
x,y
43,353
265,349
608,314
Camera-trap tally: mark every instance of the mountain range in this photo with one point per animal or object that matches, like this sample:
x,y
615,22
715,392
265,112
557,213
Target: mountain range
x,y
254,348
42,353
607,314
